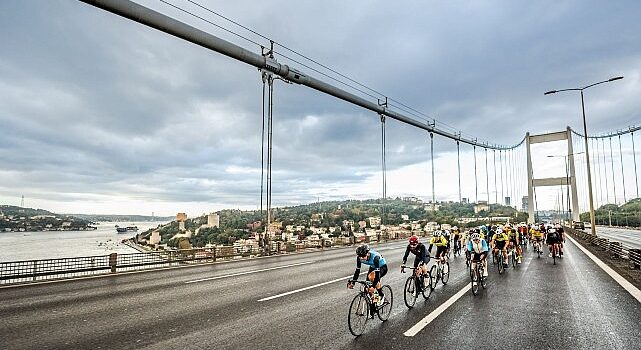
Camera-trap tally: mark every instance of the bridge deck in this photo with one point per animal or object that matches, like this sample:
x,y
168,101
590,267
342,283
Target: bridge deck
x,y
217,307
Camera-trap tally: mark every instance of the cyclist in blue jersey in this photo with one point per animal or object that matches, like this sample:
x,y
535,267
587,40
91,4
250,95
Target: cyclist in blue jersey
x,y
377,269
478,250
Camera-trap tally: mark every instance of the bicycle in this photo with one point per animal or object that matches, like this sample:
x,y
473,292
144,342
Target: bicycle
x,y
477,275
363,307
499,261
511,256
440,270
555,252
537,248
416,284
457,247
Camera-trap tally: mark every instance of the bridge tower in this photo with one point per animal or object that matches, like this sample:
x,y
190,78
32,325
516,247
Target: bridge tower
x,y
570,180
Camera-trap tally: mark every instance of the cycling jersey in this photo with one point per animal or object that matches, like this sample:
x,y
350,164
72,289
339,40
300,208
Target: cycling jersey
x,y
553,237
376,263
420,251
478,248
536,233
500,237
438,241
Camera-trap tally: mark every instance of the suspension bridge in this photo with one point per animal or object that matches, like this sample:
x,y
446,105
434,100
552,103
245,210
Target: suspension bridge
x,y
576,303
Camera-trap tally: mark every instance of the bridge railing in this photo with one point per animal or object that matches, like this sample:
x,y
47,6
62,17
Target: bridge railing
x,y
615,248
16,272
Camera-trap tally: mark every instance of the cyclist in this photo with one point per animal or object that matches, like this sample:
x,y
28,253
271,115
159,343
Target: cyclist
x,y
536,235
441,244
422,258
465,238
446,235
514,241
377,269
552,238
559,229
456,238
499,242
479,250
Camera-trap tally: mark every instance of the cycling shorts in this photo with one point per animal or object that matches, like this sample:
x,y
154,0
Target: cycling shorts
x,y
440,250
553,240
383,270
500,244
418,260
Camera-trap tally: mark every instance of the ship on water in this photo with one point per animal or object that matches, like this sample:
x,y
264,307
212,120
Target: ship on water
x,y
126,229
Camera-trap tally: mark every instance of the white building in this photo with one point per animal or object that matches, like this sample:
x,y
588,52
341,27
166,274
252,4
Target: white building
x,y
213,220
481,206
432,207
154,238
374,221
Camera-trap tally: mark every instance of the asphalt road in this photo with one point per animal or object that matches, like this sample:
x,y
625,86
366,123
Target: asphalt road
x,y
630,238
538,305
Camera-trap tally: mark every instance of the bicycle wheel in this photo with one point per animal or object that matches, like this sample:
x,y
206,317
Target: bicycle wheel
x,y
386,309
410,293
475,281
433,276
483,278
445,273
500,263
554,254
427,286
513,258
358,315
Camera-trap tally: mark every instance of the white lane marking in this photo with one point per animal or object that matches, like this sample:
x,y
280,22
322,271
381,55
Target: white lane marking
x,y
434,314
248,272
309,287
634,291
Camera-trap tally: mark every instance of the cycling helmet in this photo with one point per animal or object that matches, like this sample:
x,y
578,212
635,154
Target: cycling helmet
x,y
436,233
413,240
476,236
362,250
499,230
454,228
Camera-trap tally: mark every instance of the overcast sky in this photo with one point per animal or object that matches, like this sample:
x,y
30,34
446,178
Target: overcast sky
x,y
99,114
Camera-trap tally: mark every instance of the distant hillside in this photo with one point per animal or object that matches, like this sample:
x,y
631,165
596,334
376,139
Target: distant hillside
x,y
238,224
10,210
13,210
122,218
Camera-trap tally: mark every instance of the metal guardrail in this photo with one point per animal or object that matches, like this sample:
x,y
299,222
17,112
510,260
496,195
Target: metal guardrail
x,y
49,269
617,249
17,272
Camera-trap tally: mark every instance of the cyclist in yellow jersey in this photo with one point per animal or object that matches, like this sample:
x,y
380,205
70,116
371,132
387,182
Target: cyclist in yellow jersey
x,y
440,242
499,242
514,241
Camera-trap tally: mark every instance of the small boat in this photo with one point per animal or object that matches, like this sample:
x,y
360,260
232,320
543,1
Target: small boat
x,y
127,229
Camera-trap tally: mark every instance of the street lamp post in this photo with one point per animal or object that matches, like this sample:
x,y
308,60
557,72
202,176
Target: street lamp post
x,y
587,153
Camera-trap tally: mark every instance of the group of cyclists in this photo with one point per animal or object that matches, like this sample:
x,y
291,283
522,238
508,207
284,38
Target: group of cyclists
x,y
477,242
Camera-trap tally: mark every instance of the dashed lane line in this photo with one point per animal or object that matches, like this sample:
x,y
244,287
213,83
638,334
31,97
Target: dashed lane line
x,y
434,314
308,287
248,272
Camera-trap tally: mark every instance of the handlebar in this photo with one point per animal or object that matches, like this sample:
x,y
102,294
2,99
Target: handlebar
x,y
365,283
